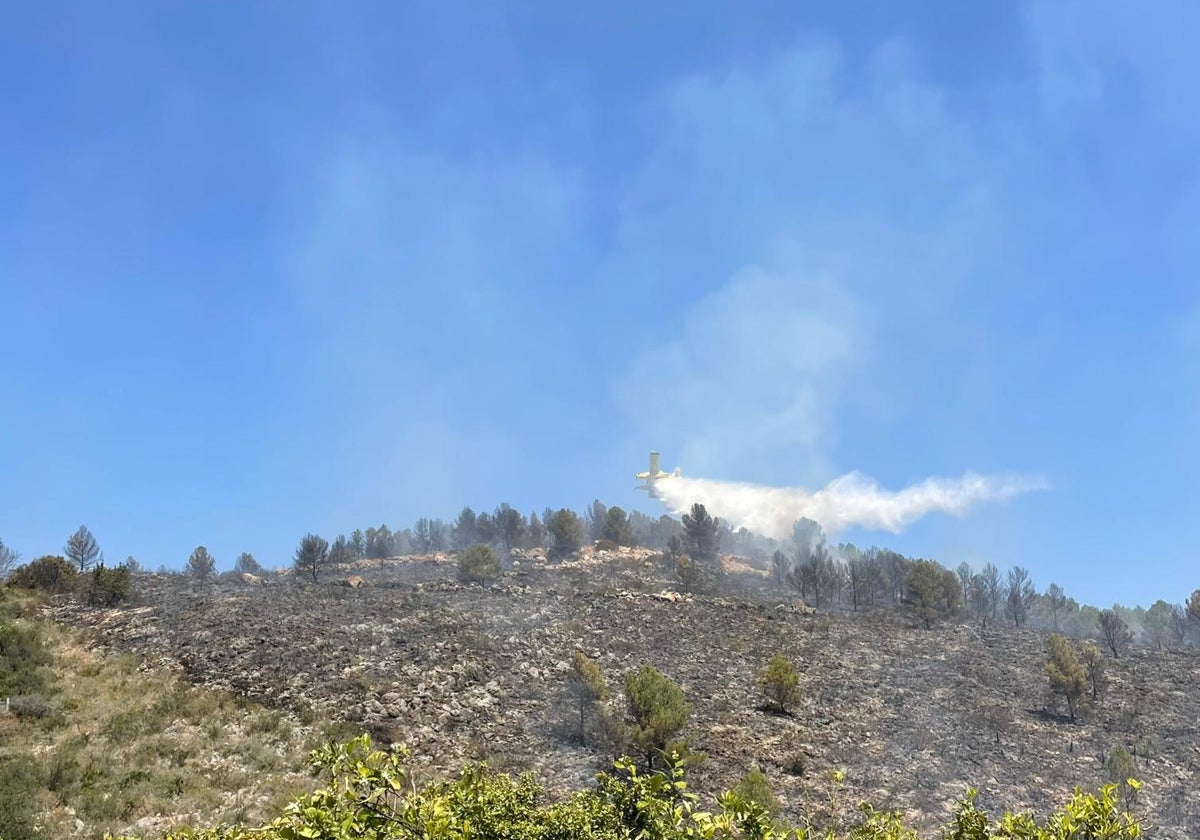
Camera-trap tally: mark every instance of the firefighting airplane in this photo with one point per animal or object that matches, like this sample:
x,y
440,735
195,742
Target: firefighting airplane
x,y
654,474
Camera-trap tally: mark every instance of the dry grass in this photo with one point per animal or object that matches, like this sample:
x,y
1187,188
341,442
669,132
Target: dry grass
x,y
130,749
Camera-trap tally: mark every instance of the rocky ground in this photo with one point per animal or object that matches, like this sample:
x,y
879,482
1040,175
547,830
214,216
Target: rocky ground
x,y
460,672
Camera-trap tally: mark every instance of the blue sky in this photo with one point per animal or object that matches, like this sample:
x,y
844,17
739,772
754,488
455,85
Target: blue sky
x,y
278,267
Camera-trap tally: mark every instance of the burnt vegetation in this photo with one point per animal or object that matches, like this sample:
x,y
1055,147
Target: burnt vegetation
x,y
554,643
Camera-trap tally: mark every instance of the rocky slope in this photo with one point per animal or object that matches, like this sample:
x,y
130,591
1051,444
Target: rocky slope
x,y
462,673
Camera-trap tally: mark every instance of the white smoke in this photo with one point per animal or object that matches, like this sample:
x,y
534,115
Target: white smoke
x,y
849,500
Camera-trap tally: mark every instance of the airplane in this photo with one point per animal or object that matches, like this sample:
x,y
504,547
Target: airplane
x,y
653,475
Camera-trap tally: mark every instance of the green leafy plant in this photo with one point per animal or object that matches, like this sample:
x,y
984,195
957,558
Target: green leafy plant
x,y
370,793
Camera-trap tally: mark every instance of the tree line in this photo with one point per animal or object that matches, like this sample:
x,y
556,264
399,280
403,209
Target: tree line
x,y
841,576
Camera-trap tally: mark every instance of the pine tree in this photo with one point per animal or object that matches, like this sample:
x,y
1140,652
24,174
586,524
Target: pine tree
x,y
312,555
1067,676
566,532
200,563
617,527
658,708
701,534
247,565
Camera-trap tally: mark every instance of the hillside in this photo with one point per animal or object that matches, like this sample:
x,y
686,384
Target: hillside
x,y
459,673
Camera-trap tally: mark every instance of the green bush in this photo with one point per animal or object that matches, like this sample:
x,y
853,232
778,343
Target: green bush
x,y
780,684
51,573
19,783
22,657
658,708
755,787
478,564
106,587
371,793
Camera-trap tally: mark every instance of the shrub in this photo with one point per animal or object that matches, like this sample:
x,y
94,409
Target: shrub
x,y
371,793
51,573
780,684
31,705
478,563
603,544
19,783
1122,767
755,787
658,708
586,685
795,764
106,587
22,656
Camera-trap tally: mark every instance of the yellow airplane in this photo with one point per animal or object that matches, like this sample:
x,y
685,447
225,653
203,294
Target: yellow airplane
x,y
654,474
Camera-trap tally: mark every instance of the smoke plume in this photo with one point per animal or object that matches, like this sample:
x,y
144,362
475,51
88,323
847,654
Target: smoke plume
x,y
849,500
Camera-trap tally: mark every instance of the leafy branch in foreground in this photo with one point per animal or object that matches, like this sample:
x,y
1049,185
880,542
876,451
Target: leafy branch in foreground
x,y
372,795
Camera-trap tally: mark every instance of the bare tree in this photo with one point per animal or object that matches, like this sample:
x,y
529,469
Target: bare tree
x,y
980,598
1020,595
1179,624
82,550
1192,608
781,566
990,579
1115,631
596,515
8,560
860,575
964,578
1057,599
